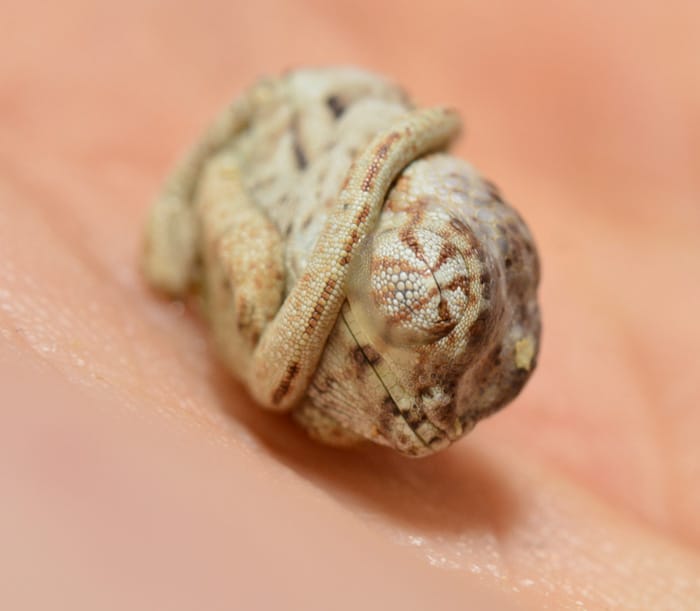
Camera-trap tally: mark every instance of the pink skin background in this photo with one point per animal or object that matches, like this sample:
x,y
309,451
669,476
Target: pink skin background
x,y
134,473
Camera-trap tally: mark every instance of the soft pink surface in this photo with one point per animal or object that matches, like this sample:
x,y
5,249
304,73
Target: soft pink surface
x,y
136,474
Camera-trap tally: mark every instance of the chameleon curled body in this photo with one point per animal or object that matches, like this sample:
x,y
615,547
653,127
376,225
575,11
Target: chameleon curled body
x,y
352,272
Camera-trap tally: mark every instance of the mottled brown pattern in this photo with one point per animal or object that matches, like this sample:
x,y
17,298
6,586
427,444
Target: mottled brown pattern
x,y
379,158
402,264
447,251
459,282
446,322
388,413
408,237
445,414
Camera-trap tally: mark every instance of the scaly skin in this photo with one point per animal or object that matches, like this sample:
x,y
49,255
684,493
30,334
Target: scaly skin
x,y
350,271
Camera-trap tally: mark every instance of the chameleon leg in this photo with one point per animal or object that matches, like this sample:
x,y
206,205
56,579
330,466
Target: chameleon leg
x,y
243,262
286,357
171,232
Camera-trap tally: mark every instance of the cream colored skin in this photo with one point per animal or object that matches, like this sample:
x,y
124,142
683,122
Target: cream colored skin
x,y
350,270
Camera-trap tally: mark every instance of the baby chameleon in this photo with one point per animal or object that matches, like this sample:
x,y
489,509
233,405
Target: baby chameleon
x,y
352,272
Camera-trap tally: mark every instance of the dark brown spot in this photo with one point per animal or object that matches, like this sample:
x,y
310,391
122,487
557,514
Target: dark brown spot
x,y
493,190
318,310
480,331
388,414
306,223
388,404
330,285
369,177
300,156
362,215
336,105
445,413
299,153
364,355
286,383
372,355
358,357
485,281
243,312
495,356
415,418
446,323
458,225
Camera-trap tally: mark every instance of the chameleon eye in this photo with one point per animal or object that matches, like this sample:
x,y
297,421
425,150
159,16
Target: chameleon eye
x,y
411,286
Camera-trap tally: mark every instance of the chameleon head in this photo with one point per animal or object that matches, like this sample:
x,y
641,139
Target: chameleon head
x,y
442,302
415,294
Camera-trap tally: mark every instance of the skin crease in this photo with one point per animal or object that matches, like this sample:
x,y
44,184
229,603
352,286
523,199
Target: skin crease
x,y
136,474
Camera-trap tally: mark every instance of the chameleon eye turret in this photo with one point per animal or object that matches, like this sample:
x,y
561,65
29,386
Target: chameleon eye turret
x,y
351,270
409,286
